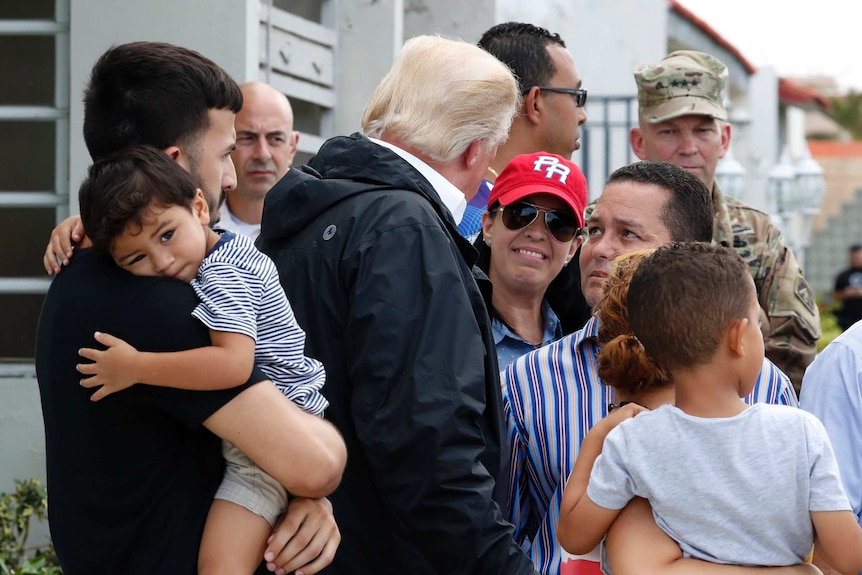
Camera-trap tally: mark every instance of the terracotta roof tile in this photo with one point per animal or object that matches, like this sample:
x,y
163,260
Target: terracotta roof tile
x,y
832,149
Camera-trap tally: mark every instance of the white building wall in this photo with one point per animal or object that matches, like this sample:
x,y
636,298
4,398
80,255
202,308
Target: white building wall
x,y
451,18
223,30
22,436
607,38
370,34
22,449
762,136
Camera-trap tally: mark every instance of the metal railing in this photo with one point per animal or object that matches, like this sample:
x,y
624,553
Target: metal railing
x,y
605,138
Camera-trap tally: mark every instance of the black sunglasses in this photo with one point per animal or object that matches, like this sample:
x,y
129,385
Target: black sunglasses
x,y
517,215
579,94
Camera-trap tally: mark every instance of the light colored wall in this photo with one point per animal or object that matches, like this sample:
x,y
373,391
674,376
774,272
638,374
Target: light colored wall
x,y
223,30
607,38
370,34
22,451
451,18
763,135
22,435
843,176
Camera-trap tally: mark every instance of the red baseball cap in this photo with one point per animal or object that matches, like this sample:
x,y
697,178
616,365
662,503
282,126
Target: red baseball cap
x,y
541,173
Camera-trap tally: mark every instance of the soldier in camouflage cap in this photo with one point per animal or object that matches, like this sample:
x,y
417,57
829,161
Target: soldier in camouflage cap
x,y
682,120
685,82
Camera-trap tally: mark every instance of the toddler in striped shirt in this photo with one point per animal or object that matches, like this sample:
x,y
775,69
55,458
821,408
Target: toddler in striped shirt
x,y
148,213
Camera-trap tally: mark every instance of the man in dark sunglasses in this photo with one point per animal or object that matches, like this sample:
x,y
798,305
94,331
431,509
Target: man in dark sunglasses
x,y
551,114
552,108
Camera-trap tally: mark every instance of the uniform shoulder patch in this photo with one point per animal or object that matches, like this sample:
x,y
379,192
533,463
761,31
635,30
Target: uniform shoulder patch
x,y
805,295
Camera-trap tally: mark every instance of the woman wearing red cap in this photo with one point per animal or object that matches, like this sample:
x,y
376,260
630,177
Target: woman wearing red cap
x,y
530,231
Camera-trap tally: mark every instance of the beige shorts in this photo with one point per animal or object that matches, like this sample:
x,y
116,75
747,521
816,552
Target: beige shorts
x,y
248,486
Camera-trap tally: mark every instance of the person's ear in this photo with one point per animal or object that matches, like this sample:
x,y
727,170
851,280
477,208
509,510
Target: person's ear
x,y
174,152
487,224
736,336
532,105
200,208
636,137
573,249
724,129
473,154
293,143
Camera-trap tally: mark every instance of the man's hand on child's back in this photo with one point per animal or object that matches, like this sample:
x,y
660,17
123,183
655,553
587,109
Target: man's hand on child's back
x,y
64,238
112,368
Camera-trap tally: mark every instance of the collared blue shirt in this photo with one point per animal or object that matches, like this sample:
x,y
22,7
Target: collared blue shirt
x,y
551,398
832,391
511,346
471,223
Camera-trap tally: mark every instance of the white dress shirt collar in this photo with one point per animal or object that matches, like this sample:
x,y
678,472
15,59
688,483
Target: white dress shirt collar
x,y
452,197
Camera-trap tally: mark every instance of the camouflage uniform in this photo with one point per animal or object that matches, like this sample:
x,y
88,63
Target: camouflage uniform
x,y
685,83
790,319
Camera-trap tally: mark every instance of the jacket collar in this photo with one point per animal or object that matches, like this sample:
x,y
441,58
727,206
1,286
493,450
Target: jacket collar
x,y
452,197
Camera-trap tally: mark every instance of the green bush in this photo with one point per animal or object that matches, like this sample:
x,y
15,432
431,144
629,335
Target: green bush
x,y
828,324
830,329
29,500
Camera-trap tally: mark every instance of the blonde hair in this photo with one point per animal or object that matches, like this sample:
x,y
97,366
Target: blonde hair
x,y
442,95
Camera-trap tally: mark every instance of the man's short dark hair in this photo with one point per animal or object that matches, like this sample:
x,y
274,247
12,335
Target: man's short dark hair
x,y
121,186
688,214
524,48
153,93
856,248
672,284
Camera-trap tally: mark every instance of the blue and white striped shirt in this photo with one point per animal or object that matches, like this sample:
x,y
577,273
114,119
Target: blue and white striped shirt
x,y
552,397
240,292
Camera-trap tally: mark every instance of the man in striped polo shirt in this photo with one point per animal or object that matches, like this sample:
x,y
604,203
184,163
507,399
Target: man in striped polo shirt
x,y
553,396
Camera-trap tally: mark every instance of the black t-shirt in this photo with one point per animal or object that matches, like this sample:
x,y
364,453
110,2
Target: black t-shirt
x,y
851,307
131,477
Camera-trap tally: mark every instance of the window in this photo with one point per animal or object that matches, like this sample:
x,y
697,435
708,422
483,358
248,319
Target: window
x,y
34,159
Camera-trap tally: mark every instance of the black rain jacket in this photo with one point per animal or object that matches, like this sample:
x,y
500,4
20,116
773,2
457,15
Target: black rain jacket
x,y
383,284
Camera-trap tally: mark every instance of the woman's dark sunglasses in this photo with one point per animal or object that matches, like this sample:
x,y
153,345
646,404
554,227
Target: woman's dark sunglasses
x,y
517,215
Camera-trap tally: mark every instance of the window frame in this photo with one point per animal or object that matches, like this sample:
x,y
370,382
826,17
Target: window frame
x,y
58,114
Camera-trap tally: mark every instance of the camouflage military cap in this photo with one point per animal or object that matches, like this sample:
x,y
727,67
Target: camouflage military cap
x,y
684,82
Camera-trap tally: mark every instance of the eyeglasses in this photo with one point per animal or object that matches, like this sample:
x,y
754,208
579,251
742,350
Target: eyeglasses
x,y
518,215
579,94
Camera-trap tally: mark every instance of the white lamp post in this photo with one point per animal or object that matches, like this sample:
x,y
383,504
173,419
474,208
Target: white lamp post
x,y
811,188
782,188
809,181
730,175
